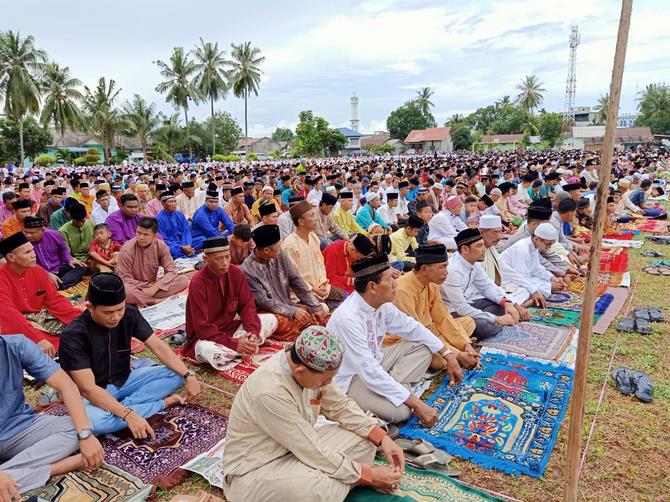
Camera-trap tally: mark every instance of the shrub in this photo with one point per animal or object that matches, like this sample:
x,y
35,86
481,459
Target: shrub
x,y
79,161
225,158
45,160
252,156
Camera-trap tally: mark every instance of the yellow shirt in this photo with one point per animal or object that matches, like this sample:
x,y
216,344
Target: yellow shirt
x,y
308,259
86,200
400,241
345,220
425,304
257,203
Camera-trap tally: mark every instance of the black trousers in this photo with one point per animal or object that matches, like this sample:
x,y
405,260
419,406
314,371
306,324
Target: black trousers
x,y
70,275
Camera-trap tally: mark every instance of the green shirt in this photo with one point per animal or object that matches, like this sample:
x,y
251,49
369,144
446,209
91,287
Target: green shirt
x,y
78,239
59,218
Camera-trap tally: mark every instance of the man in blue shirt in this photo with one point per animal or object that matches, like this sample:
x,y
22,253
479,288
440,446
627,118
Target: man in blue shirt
x,y
34,446
207,220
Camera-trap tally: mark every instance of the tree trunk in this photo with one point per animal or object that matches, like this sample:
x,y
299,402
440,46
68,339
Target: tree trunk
x,y
188,135
21,152
246,131
144,150
213,130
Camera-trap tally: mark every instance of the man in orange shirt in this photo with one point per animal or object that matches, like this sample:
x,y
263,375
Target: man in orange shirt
x,y
14,224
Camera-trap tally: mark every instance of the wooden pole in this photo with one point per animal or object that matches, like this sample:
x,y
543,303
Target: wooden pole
x,y
586,325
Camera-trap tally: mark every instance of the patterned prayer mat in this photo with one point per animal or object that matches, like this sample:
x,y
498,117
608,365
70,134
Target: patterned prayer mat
x,y
105,484
77,293
535,340
613,260
504,416
619,297
556,317
241,371
422,486
567,300
652,226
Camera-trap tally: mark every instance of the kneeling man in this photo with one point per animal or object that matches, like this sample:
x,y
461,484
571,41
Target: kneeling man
x,y
273,449
95,351
221,318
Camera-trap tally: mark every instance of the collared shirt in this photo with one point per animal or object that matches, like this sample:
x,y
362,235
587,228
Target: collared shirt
x,y
187,205
556,222
346,222
45,211
306,254
367,215
84,344
59,218
11,226
52,251
388,214
443,228
17,354
326,226
238,213
520,266
78,238
466,283
338,266
175,230
362,329
206,223
400,242
153,207
123,228
99,215
286,225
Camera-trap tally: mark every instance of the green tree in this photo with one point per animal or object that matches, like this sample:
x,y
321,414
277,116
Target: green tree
x,y
314,137
245,74
380,149
510,120
226,129
141,120
454,120
601,108
20,62
282,134
549,126
482,119
423,100
102,118
61,100
36,138
178,84
406,118
654,108
211,80
530,93
461,137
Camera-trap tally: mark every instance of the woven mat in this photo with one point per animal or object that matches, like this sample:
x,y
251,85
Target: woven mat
x,y
620,295
531,339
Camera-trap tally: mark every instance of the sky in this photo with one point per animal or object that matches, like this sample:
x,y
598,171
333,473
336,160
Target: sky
x,y
318,53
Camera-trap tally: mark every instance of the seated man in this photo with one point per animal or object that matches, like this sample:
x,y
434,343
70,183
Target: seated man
x,y
103,208
418,296
520,266
53,254
154,206
469,291
638,201
52,204
367,214
273,450
207,221
236,209
34,447
14,224
241,244
31,304
272,277
304,248
123,223
342,215
404,239
326,229
138,264
61,216
221,318
389,211
285,222
95,351
447,223
339,256
174,228
78,232
268,215
379,380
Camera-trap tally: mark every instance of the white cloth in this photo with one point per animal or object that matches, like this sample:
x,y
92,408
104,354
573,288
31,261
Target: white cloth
x,y
444,226
314,196
402,205
113,205
388,214
362,328
466,283
520,267
99,215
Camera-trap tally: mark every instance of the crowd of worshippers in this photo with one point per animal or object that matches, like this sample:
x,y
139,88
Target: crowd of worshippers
x,y
375,271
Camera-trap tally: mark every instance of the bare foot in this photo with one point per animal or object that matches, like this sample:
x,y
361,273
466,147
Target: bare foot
x,y
173,400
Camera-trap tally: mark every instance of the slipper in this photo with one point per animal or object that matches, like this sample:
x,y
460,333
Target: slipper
x,y
437,461
652,270
49,395
626,325
664,271
642,326
644,387
622,379
651,314
659,263
651,253
416,447
179,338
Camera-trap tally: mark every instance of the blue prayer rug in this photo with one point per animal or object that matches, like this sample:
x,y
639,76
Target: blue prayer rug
x,y
504,416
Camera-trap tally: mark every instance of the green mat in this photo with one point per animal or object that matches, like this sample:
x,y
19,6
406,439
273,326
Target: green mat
x,y
422,486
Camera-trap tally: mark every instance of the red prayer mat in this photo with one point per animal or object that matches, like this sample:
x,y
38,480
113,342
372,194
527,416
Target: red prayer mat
x,y
241,371
614,260
652,226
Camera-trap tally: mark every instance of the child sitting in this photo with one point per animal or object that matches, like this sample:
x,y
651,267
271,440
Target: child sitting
x,y
103,251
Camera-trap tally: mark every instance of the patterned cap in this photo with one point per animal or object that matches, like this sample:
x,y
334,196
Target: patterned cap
x,y
319,349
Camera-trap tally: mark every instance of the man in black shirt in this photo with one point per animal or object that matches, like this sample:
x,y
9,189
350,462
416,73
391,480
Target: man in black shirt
x,y
95,350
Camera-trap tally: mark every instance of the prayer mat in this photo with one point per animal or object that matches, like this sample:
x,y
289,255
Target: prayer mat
x,y
534,340
613,260
622,243
619,297
166,333
556,317
566,300
168,314
241,371
44,321
77,293
577,285
504,416
422,486
105,484
652,226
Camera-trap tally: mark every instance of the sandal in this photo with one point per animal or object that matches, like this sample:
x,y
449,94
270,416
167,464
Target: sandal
x,y
651,253
651,314
664,270
415,447
652,270
642,326
622,379
626,325
178,339
437,461
644,387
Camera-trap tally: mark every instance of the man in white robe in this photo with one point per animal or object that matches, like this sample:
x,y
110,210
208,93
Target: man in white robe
x,y
444,226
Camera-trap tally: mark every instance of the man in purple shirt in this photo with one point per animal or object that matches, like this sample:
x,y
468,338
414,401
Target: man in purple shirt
x,y
6,209
53,254
123,223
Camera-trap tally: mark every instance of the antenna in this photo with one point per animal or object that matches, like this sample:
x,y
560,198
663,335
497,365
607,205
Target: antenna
x,y
571,82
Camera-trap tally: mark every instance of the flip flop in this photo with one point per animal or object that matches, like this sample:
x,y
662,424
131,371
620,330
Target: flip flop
x,y
416,447
622,379
644,387
437,461
651,253
651,314
179,338
642,326
49,395
626,325
664,271
652,270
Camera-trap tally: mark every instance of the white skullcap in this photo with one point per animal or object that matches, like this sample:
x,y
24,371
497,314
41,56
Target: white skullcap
x,y
330,188
438,186
267,187
370,196
496,191
487,221
546,231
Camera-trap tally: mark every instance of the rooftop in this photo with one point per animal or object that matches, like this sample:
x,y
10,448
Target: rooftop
x,y
432,134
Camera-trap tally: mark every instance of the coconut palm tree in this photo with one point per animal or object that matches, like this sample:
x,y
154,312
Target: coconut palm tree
x,y
454,120
245,73
61,99
654,102
211,81
20,63
178,86
530,95
102,118
601,108
423,100
141,120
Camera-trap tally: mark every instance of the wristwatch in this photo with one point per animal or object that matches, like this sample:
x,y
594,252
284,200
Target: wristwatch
x,y
189,373
445,353
84,434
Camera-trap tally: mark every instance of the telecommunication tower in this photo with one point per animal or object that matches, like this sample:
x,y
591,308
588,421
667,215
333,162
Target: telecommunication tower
x,y
571,83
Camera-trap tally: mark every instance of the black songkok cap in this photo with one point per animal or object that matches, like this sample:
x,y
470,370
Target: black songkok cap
x,y
24,185
106,289
236,190
403,184
266,235
328,200
77,211
34,222
292,201
610,200
267,208
188,184
161,186
506,186
583,202
569,187
167,196
370,265
415,222
543,202
215,245
467,236
487,200
392,196
212,194
433,253
59,191
12,242
21,204
540,213
421,204
363,245
347,195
